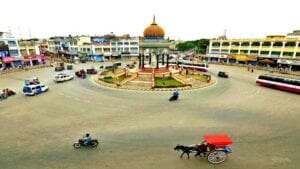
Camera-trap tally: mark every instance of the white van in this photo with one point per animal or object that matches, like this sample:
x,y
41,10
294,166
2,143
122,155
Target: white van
x,y
62,77
30,90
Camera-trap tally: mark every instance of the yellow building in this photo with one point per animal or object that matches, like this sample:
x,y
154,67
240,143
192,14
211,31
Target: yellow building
x,y
275,47
29,47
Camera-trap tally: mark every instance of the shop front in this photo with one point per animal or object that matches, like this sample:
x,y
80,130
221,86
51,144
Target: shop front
x,y
11,62
33,60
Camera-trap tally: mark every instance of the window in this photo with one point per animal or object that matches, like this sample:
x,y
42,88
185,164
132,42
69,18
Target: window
x,y
120,43
288,53
245,44
113,43
264,52
275,53
14,52
126,43
298,54
235,44
225,44
254,51
133,48
277,44
12,43
133,43
290,44
114,49
255,44
216,44
224,51
234,51
244,51
266,44
88,49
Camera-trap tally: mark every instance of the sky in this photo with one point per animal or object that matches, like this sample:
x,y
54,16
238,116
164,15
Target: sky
x,y
181,19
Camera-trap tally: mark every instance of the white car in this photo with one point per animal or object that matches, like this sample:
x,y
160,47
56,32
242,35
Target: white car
x,y
31,90
61,77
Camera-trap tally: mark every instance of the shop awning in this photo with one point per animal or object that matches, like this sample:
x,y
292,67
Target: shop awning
x,y
8,59
231,57
267,61
245,58
296,62
284,61
34,57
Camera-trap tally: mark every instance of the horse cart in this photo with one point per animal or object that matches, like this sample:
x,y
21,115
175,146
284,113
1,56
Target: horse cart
x,y
214,148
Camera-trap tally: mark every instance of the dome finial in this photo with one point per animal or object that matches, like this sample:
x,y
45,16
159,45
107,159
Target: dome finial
x,y
154,23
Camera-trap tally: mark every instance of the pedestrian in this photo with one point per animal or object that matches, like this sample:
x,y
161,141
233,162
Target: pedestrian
x,y
252,70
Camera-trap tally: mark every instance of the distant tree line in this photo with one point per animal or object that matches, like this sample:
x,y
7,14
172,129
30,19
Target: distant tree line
x,y
198,45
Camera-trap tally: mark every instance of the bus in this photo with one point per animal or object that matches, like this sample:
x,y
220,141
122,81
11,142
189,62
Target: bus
x,y
203,67
279,82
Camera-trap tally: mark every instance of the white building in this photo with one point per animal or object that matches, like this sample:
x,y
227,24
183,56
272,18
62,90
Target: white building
x,y
12,43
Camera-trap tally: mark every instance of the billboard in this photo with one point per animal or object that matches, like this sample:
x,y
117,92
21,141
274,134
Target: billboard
x,y
100,41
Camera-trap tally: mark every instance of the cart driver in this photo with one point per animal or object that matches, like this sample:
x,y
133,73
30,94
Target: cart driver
x,y
201,148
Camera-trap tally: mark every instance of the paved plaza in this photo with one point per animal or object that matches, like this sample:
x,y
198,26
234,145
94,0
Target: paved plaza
x,y
139,129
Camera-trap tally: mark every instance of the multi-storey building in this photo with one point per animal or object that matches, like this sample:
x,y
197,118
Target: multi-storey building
x,y
277,48
11,57
92,46
29,47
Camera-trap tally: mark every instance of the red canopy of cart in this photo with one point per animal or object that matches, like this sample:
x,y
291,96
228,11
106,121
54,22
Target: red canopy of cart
x,y
218,139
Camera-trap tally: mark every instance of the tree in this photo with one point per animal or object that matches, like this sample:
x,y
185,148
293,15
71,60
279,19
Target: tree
x,y
3,46
198,45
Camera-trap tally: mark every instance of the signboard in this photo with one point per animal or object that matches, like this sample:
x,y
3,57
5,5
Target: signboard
x,y
3,54
99,41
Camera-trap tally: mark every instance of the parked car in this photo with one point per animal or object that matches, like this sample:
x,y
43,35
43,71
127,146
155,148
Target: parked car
x,y
30,90
101,67
61,77
57,69
91,71
69,67
223,74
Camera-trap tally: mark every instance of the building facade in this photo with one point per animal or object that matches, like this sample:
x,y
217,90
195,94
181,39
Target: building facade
x,y
10,57
283,50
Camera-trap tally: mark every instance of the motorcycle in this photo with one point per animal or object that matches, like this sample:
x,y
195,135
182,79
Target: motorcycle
x,y
2,96
93,143
173,98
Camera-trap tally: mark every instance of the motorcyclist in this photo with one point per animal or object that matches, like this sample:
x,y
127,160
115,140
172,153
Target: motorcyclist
x,y
176,94
87,139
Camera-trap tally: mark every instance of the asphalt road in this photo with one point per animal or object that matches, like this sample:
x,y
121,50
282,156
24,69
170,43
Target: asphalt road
x,y
138,130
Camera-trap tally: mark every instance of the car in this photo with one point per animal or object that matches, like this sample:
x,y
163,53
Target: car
x,y
59,68
223,74
61,77
91,71
69,67
31,90
101,67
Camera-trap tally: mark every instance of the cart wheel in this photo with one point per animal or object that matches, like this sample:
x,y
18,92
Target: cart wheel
x,y
216,157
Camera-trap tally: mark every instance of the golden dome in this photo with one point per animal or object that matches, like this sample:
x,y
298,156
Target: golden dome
x,y
154,30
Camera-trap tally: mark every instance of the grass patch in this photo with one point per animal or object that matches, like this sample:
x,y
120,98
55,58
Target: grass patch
x,y
114,80
167,82
199,76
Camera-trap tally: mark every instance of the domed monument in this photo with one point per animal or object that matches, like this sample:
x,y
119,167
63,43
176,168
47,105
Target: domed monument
x,y
154,46
154,32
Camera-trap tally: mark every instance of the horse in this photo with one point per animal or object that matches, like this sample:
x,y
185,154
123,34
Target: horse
x,y
185,150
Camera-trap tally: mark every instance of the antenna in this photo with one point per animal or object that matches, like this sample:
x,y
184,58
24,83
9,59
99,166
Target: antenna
x,y
225,31
20,33
29,33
